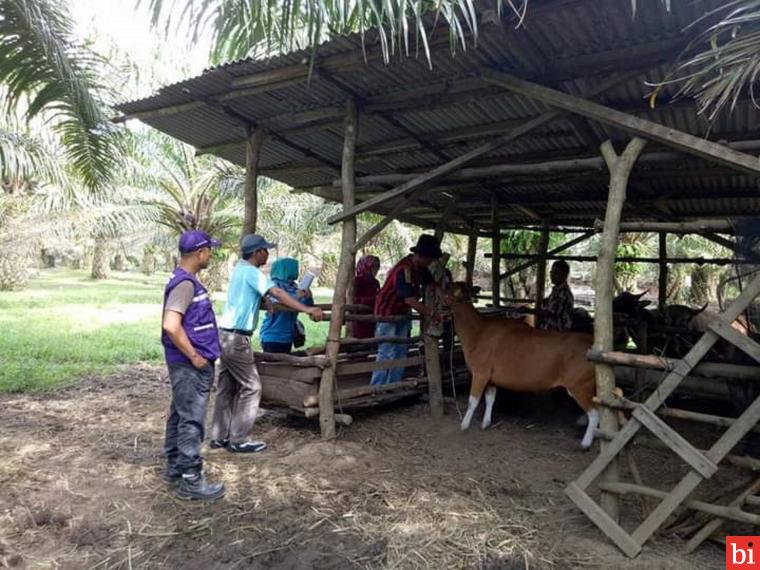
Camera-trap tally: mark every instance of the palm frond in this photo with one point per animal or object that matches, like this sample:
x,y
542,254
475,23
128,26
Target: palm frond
x,y
43,66
244,28
722,62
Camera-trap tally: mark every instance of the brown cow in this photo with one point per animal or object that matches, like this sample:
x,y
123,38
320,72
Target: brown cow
x,y
512,355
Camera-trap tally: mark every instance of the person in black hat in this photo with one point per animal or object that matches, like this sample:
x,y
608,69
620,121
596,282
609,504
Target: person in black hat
x,y
400,294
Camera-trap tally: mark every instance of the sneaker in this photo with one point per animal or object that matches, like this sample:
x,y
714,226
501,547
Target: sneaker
x,y
218,443
195,487
247,447
172,477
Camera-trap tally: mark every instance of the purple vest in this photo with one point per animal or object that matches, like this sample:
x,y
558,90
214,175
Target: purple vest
x,y
198,321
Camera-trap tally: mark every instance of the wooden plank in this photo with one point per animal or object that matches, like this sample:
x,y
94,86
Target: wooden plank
x,y
601,519
676,442
712,526
371,366
691,481
743,342
306,375
669,136
701,506
433,373
346,394
282,392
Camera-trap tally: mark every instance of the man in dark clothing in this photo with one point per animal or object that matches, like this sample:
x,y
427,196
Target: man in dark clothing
x,y
191,346
398,296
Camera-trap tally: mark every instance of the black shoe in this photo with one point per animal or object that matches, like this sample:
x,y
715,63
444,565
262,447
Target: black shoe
x,y
247,447
172,477
195,487
218,443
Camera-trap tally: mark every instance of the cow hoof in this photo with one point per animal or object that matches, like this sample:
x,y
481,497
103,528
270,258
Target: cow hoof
x,y
463,428
586,447
485,426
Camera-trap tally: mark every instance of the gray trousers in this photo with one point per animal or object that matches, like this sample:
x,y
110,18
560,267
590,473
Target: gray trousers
x,y
184,428
238,390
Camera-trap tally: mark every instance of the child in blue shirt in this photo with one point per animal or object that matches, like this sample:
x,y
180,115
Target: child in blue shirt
x,y
278,330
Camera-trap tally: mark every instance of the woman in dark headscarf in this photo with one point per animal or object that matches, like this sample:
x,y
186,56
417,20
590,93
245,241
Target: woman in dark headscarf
x,y
366,287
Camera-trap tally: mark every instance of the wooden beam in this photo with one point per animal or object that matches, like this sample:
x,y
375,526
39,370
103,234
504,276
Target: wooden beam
x,y
662,277
534,257
560,248
495,252
472,246
426,179
666,135
252,154
345,270
543,246
620,169
691,227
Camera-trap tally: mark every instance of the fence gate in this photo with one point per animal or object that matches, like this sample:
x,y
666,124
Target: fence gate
x,y
703,465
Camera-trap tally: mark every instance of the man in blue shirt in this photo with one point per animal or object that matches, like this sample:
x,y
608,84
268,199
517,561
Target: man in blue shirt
x,y
239,386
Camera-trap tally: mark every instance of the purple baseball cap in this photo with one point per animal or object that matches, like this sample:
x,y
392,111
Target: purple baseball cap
x,y
192,240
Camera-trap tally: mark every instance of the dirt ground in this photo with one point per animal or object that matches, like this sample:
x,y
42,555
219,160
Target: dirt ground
x,y
80,488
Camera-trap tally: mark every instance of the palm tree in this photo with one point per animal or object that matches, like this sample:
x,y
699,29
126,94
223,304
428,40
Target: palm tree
x,y
46,71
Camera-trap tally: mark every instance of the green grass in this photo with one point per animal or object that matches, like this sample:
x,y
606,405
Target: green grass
x,y
66,325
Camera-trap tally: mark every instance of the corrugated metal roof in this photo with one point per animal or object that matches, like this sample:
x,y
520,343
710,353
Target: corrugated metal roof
x,y
572,45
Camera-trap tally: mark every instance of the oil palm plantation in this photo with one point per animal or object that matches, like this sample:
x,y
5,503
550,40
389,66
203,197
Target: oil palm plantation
x,y
46,72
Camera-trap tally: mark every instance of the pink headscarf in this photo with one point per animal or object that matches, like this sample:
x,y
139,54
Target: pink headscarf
x,y
366,264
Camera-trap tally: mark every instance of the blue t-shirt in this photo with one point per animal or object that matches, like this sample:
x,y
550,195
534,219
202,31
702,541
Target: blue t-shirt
x,y
278,327
248,285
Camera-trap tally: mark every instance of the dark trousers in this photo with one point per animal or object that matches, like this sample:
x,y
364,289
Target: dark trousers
x,y
185,427
276,347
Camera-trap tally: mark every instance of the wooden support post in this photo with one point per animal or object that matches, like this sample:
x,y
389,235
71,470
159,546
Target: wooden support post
x,y
472,248
345,270
495,252
543,247
254,140
433,372
662,294
620,168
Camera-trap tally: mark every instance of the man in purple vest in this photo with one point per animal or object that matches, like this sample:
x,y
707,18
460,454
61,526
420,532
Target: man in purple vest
x,y
191,346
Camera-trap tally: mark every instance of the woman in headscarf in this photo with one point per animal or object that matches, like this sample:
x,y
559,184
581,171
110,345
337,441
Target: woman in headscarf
x,y
366,287
279,328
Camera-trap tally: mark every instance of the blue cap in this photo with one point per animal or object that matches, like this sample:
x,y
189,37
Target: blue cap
x,y
254,242
193,240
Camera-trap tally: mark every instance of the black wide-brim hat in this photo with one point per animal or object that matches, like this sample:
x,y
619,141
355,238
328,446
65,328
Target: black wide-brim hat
x,y
427,246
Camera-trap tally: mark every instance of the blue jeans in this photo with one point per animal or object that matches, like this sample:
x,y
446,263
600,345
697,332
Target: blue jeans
x,y
391,351
185,427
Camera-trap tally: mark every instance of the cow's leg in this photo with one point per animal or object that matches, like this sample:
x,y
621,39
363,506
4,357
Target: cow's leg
x,y
476,391
593,423
490,399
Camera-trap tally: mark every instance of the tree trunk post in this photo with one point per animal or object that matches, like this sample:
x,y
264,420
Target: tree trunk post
x,y
543,248
472,248
495,253
345,271
662,294
254,140
620,169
